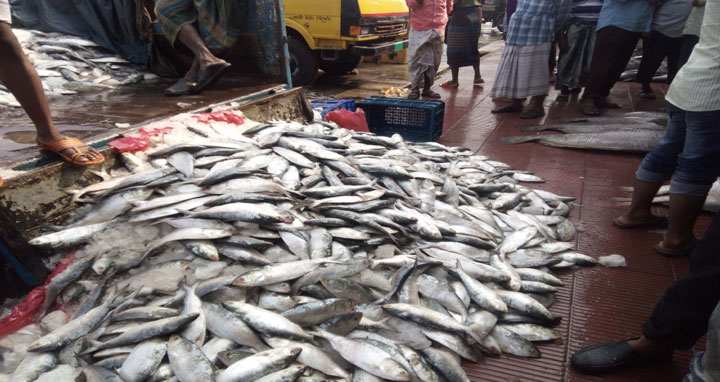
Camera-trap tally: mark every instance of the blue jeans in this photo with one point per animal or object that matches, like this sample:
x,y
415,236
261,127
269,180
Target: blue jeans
x,y
689,153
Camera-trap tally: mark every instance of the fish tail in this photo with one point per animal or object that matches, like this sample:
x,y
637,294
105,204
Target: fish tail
x,y
515,139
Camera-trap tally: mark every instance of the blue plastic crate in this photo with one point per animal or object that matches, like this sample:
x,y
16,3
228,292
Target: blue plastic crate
x,y
328,105
416,121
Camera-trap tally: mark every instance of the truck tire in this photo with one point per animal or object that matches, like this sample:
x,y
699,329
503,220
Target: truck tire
x,y
343,65
303,62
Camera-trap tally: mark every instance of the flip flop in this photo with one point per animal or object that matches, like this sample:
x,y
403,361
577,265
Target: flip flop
x,y
589,109
505,109
414,95
532,114
610,105
180,88
683,252
75,144
449,85
209,76
656,222
431,94
480,81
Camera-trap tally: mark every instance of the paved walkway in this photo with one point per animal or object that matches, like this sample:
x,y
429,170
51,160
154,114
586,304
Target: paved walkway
x,y
598,304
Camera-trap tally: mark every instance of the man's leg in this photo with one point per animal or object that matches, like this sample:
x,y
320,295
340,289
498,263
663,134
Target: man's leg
x,y
674,50
613,49
436,44
688,44
654,52
20,77
203,57
698,166
656,168
680,317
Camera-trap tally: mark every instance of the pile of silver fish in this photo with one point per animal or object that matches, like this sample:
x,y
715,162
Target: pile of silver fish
x,y
69,65
635,132
291,252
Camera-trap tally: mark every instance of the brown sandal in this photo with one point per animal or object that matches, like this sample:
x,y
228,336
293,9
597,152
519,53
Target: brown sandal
x,y
75,144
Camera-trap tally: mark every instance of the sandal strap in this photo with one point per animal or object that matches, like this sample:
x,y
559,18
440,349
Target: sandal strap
x,y
64,144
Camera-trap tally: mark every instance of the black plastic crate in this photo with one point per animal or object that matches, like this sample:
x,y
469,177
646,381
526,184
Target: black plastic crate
x,y
416,121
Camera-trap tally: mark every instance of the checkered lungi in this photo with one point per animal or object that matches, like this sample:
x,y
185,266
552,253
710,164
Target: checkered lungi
x,y
523,72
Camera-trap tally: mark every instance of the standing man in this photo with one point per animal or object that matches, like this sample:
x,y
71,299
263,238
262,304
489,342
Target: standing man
x,y
574,64
20,77
665,40
463,33
427,27
206,27
619,27
689,152
524,69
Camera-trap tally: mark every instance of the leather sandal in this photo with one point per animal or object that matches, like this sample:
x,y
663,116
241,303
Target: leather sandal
x,y
415,94
431,94
679,252
608,357
209,76
655,222
589,108
180,88
61,145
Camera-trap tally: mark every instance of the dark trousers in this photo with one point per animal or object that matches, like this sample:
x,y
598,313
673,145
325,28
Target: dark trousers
x,y
688,44
656,47
613,48
681,317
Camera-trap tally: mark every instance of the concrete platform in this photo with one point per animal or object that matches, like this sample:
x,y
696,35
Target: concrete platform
x,y
598,304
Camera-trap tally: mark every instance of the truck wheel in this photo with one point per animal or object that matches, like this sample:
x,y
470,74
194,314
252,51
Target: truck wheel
x,y
342,65
303,62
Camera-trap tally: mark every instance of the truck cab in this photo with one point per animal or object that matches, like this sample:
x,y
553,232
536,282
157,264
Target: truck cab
x,y
334,35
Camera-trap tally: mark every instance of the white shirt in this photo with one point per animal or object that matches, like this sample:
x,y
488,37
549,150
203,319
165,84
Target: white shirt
x,y
5,11
694,21
697,85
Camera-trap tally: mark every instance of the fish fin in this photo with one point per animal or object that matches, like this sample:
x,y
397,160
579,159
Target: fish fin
x,y
515,139
532,128
571,120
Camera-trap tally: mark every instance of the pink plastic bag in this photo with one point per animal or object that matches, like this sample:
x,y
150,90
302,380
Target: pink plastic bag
x,y
349,120
220,116
141,142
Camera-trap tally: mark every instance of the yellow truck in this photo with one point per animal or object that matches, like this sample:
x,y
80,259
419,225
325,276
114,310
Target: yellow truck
x,y
334,35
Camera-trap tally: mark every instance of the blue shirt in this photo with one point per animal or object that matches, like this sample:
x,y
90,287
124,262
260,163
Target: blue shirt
x,y
631,15
534,21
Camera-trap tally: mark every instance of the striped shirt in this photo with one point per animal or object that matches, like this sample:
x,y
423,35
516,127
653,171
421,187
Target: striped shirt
x,y
585,11
697,85
534,21
5,15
